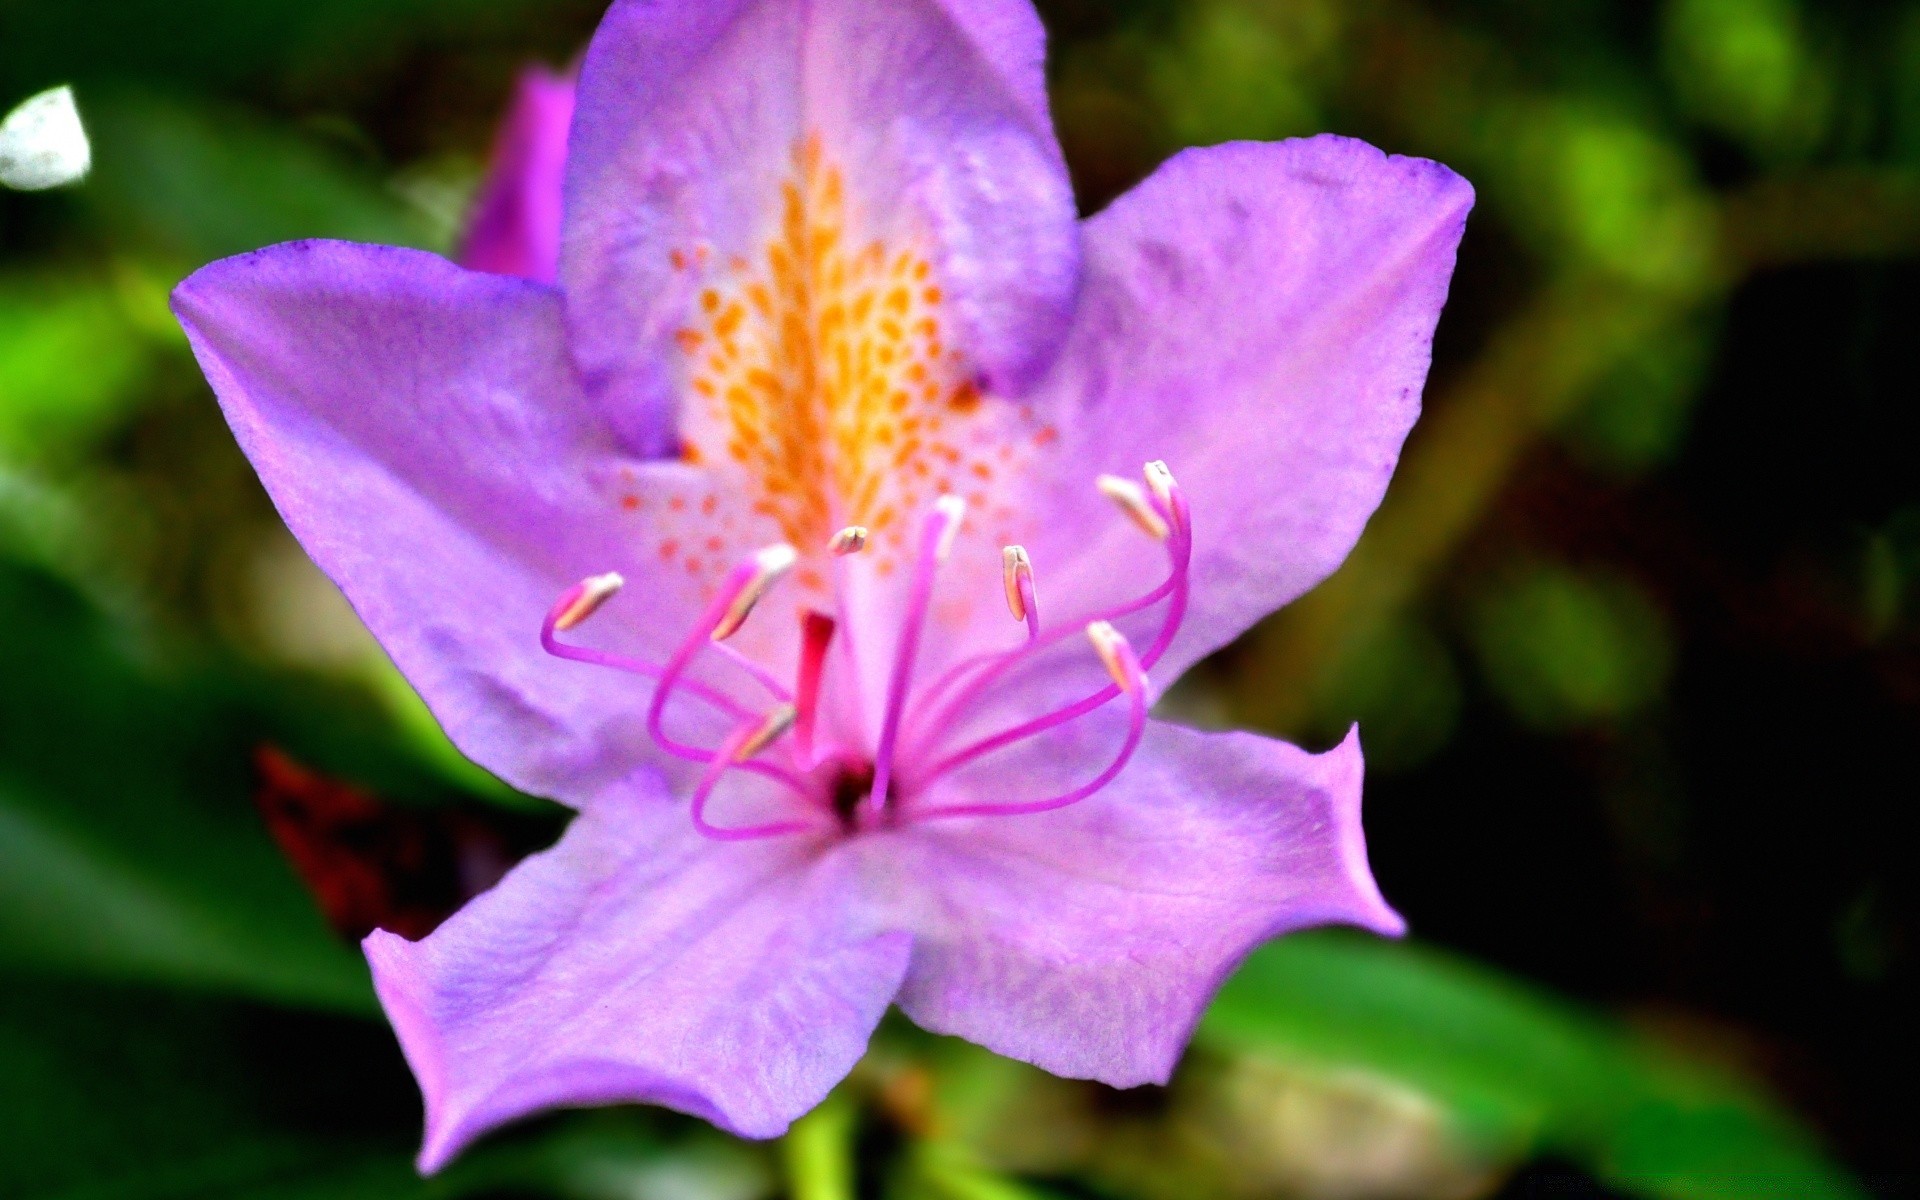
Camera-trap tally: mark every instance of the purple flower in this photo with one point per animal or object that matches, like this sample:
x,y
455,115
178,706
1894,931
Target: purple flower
x,y
831,381
515,225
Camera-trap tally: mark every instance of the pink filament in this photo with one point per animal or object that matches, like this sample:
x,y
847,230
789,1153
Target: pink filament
x,y
723,760
933,532
1136,729
761,675
551,643
1180,549
671,675
936,707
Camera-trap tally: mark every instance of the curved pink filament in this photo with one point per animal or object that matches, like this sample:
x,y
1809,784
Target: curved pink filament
x,y
723,760
1136,729
933,531
1002,661
1032,606
551,643
761,675
671,675
1178,585
637,666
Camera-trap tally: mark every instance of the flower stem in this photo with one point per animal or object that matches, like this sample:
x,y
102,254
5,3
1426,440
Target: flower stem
x,y
819,1153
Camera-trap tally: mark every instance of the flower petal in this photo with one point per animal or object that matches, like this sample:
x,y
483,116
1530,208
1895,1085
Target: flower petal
x,y
420,429
1259,316
1008,33
515,225
696,120
1088,940
637,961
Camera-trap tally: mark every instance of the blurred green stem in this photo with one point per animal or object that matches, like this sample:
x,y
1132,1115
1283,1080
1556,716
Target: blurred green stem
x,y
819,1151
948,1172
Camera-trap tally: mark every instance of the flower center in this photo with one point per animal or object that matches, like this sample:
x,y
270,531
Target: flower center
x,y
837,789
849,788
826,385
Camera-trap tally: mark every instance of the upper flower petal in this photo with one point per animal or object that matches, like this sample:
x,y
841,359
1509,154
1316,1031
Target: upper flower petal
x,y
638,961
420,429
703,128
1008,33
1259,316
1088,940
515,225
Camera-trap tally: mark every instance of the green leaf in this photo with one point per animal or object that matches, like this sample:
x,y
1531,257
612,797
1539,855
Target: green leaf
x,y
195,182
129,845
113,1093
71,363
136,1094
226,43
1519,1072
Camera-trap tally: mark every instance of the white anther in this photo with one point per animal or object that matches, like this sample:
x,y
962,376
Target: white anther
x,y
851,540
954,509
1160,483
42,143
771,728
1132,500
1111,645
1016,567
769,565
590,594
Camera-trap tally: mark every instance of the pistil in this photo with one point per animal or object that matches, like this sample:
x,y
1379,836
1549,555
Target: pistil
x,y
816,635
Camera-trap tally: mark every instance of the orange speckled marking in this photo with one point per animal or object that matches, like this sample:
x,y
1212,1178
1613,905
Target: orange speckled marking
x,y
824,387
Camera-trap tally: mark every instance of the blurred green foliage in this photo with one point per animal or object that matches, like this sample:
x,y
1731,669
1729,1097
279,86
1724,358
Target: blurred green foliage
x,y
176,1019
1520,1072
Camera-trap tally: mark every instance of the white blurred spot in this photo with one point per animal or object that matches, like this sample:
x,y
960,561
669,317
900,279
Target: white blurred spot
x,y
42,144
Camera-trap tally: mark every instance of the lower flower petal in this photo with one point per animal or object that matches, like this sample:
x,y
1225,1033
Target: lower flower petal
x,y
1087,941
636,961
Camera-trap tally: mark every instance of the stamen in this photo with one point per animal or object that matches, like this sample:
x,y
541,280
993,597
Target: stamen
x,y
570,602
1166,492
816,634
1175,590
584,599
734,752
936,543
1108,643
747,583
851,540
1016,573
1132,682
954,509
1133,502
769,565
760,674
776,723
1159,509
